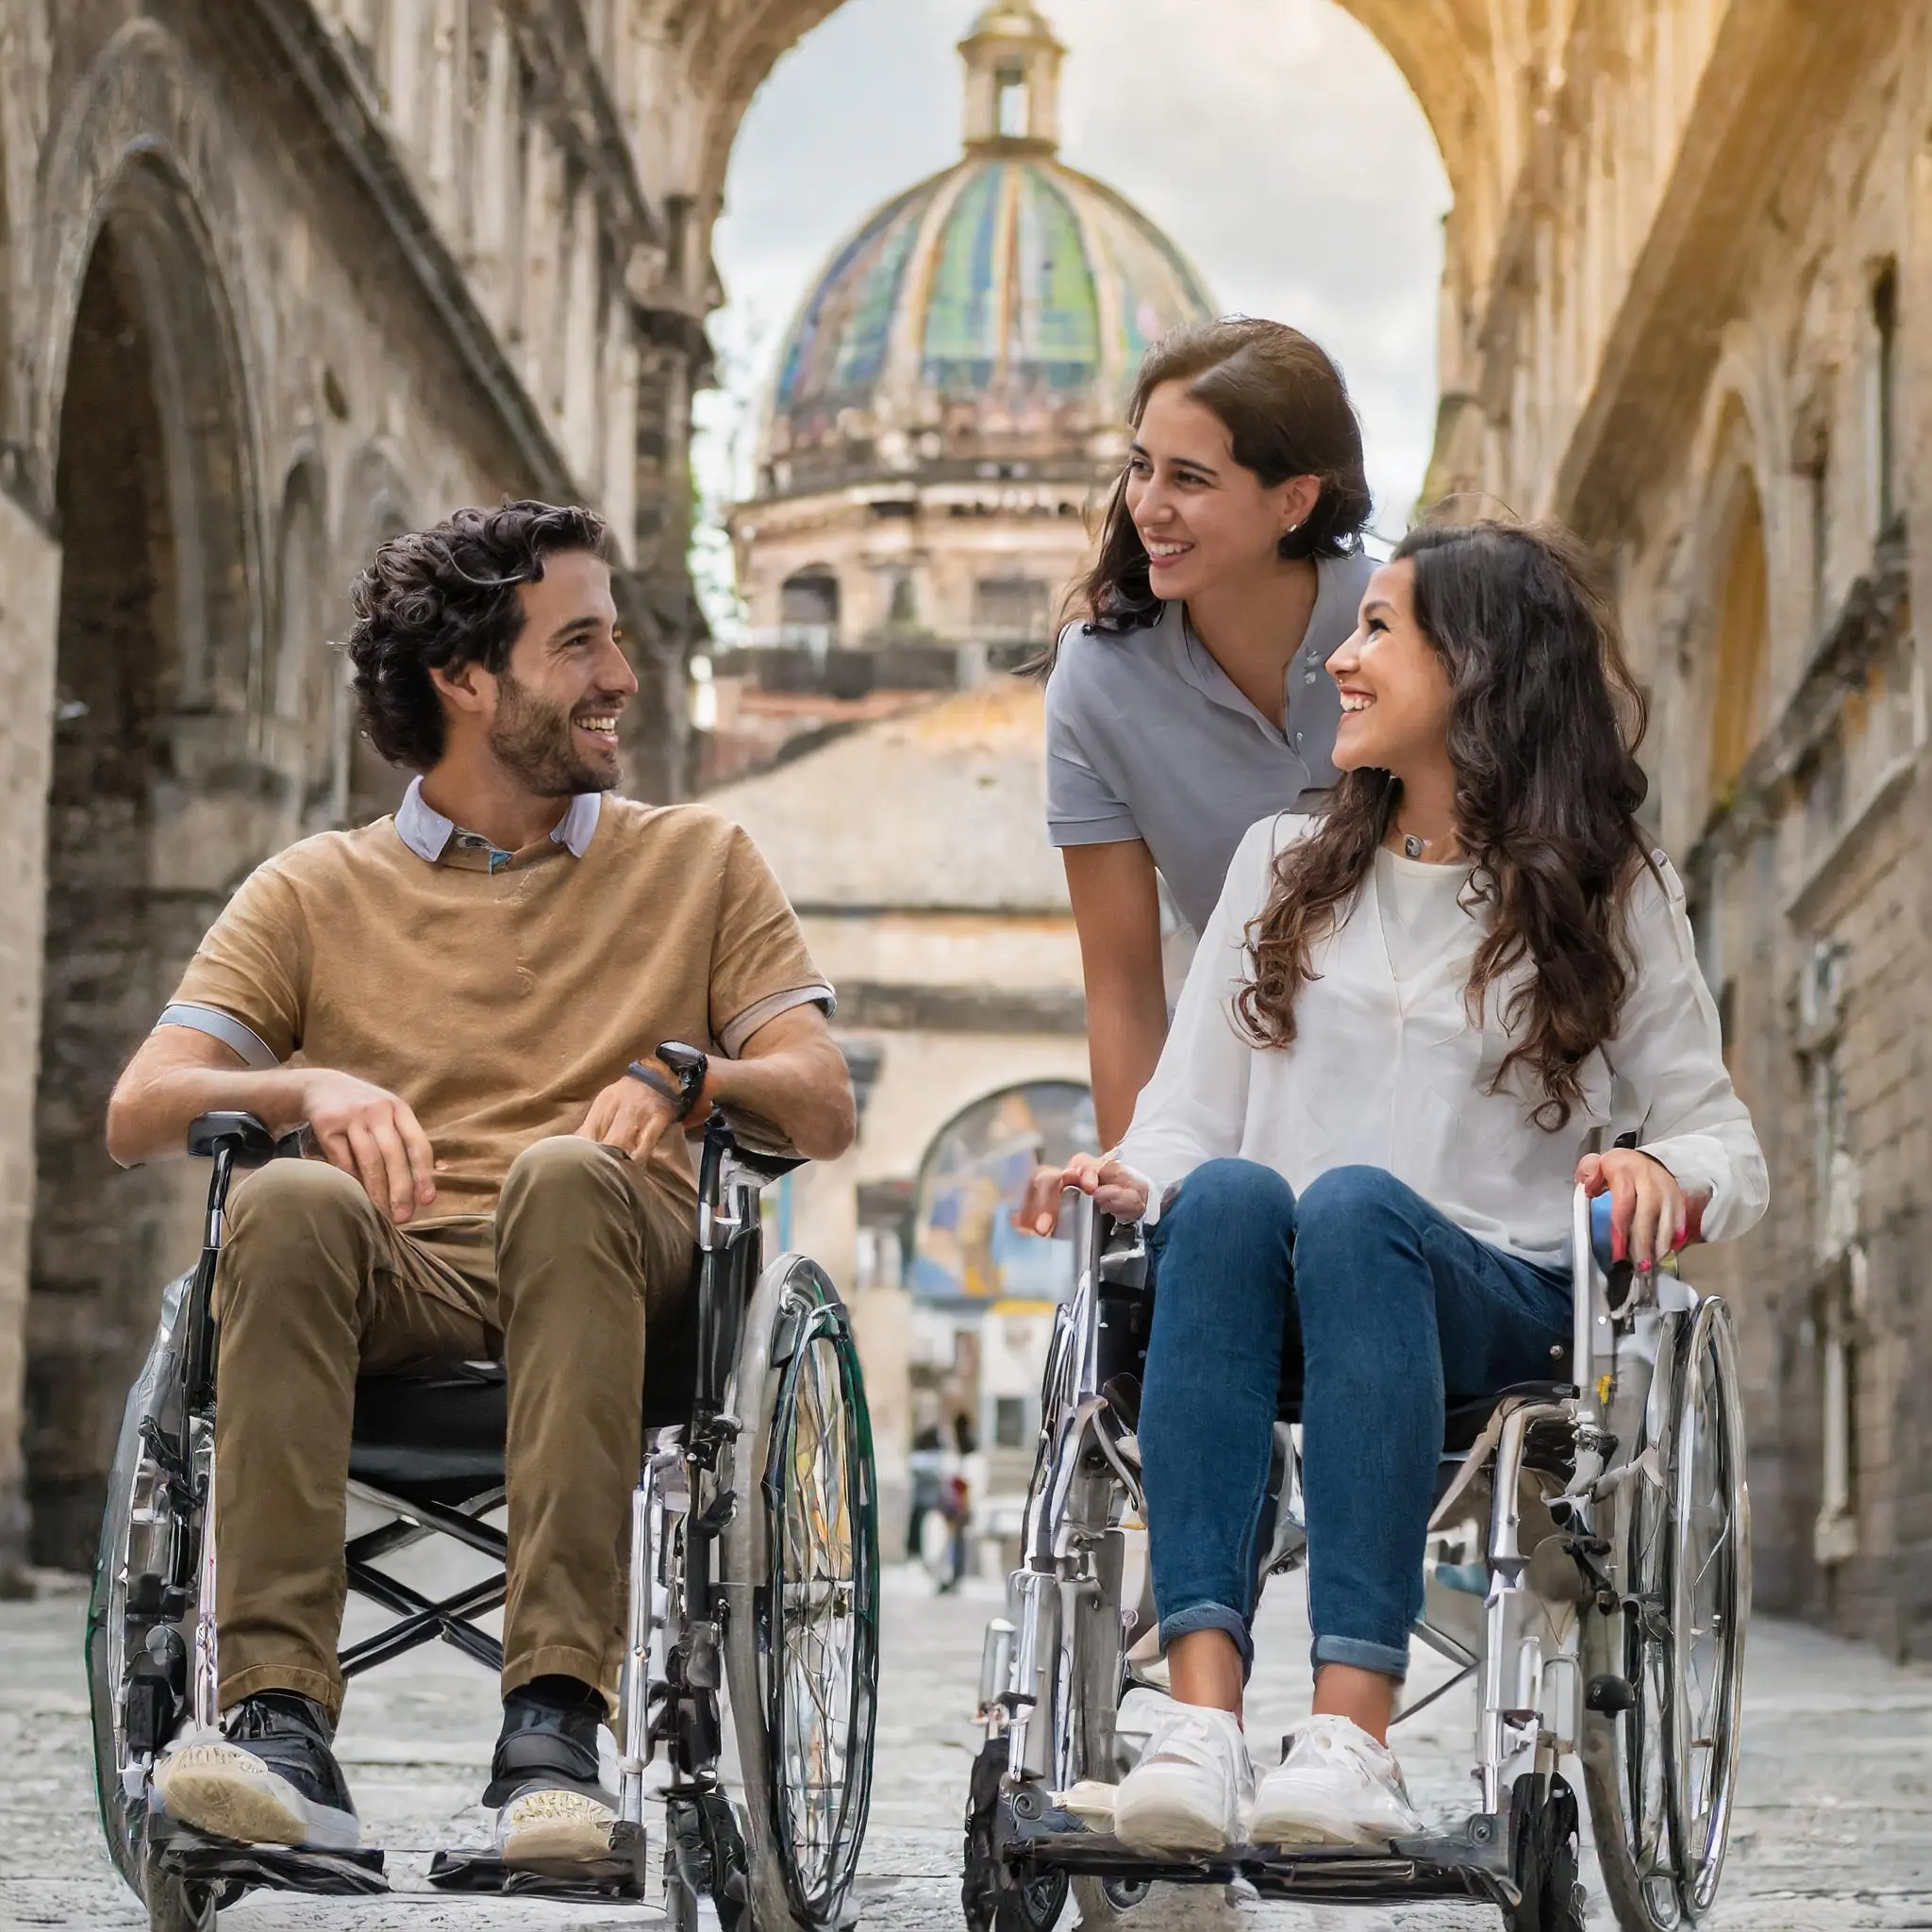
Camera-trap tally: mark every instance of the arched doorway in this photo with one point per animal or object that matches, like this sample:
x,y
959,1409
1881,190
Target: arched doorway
x,y
156,654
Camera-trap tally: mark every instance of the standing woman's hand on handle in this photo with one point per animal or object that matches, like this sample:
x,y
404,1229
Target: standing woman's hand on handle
x,y
1649,1215
1116,1189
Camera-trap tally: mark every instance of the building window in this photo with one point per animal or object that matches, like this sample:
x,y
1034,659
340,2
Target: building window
x,y
1743,644
1885,393
904,608
1010,1422
1015,103
1011,610
808,607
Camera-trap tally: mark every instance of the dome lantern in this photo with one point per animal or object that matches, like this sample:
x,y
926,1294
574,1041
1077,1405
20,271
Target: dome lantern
x,y
1013,81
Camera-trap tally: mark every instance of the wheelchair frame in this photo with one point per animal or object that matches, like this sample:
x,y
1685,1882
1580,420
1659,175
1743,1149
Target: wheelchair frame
x,y
720,1586
1611,1624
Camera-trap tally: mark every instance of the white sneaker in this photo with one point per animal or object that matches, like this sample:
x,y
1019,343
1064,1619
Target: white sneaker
x,y
1336,1787
550,1824
1192,1787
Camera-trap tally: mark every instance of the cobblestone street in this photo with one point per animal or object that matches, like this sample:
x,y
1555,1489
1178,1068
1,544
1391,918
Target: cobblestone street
x,y
1834,1833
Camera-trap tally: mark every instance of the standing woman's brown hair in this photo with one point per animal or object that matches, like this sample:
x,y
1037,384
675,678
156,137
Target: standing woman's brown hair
x,y
1185,698
1288,414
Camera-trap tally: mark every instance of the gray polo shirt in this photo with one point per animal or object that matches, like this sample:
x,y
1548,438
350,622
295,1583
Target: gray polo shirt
x,y
1148,738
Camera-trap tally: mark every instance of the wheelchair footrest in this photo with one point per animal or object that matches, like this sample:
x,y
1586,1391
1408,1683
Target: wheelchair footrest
x,y
618,1879
1471,1861
280,1868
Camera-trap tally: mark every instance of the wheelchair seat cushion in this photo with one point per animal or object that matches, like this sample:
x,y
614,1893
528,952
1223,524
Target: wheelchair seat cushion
x,y
437,1431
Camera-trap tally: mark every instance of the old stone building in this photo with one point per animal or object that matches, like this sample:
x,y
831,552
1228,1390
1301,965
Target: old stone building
x,y
949,404
1685,307
280,274
278,279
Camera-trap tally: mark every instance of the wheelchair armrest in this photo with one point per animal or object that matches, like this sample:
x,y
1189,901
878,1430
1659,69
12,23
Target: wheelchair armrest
x,y
752,1147
248,1142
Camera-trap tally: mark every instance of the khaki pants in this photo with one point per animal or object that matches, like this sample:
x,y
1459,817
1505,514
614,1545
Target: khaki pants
x,y
316,1287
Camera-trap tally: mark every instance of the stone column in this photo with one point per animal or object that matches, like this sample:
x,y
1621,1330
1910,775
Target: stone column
x,y
29,616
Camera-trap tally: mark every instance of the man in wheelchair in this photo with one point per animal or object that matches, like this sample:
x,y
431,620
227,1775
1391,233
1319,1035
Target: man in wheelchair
x,y
473,1008
1410,1027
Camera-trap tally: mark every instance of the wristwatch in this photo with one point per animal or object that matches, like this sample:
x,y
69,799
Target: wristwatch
x,y
688,1067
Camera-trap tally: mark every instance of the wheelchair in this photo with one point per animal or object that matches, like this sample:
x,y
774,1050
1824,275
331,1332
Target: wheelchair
x,y
754,1585
1587,1565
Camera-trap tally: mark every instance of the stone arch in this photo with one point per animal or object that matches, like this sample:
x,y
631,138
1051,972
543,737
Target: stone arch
x,y
379,503
138,152
140,450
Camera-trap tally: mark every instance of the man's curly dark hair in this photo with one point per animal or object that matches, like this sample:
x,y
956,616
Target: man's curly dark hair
x,y
447,596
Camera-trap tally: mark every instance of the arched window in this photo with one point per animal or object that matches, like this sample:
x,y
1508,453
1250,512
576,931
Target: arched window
x,y
808,606
965,1247
1743,624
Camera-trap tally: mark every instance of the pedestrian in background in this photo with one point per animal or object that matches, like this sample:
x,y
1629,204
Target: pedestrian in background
x,y
1188,700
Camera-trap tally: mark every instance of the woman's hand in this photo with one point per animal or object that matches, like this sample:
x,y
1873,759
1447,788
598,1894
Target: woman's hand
x,y
1649,1215
1116,1191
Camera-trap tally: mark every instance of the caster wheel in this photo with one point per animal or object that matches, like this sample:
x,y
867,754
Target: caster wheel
x,y
176,1905
990,1896
1103,1903
1544,1828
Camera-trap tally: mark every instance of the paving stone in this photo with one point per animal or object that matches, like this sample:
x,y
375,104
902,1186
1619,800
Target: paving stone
x,y
1833,1833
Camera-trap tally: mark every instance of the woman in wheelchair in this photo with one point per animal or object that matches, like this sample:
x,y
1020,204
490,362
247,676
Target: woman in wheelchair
x,y
1407,1027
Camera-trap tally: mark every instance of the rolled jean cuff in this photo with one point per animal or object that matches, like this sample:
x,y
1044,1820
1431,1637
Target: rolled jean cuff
x,y
1210,1617
1383,1659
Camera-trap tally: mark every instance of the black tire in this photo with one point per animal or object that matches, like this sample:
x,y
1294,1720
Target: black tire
x,y
801,1558
990,1898
1625,1754
127,1548
1662,1776
1710,1604
176,1905
1543,1834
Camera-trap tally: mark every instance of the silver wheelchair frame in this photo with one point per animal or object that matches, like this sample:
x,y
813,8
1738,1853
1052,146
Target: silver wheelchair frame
x,y
740,1586
1607,1520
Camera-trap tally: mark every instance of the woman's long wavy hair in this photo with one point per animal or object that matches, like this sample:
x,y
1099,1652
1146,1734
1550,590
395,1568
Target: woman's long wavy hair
x,y
1287,413
1544,722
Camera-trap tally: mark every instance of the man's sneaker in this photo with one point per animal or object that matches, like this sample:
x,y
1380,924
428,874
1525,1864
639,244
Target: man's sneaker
x,y
1192,1787
553,1825
272,1780
1335,1785
543,1776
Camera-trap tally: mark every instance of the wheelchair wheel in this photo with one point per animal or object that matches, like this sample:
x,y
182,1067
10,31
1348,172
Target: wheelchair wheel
x,y
139,1533
1710,1604
1661,1774
802,1643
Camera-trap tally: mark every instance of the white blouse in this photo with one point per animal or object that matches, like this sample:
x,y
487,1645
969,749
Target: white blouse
x,y
1386,1069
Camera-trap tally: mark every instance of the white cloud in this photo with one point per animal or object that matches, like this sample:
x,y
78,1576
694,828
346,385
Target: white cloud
x,y
1273,139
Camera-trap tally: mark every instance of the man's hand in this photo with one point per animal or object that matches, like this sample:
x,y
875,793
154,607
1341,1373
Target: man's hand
x,y
631,1117
371,1134
1649,1215
1115,1189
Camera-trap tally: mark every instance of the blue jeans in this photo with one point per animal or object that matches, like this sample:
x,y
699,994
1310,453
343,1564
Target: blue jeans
x,y
1398,1312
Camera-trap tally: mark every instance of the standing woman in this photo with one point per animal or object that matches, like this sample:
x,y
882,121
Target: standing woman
x,y
1190,702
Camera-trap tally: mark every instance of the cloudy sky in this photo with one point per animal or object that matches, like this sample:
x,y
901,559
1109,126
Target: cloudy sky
x,y
1273,139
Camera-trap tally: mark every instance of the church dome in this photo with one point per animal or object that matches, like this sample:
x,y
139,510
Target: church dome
x,y
988,321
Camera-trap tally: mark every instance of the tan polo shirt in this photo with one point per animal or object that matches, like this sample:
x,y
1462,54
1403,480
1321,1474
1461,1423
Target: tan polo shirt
x,y
498,992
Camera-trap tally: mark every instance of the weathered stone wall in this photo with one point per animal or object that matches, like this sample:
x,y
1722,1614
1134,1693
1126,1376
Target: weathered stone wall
x,y
254,320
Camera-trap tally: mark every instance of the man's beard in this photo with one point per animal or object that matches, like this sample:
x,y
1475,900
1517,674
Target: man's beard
x,y
536,741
